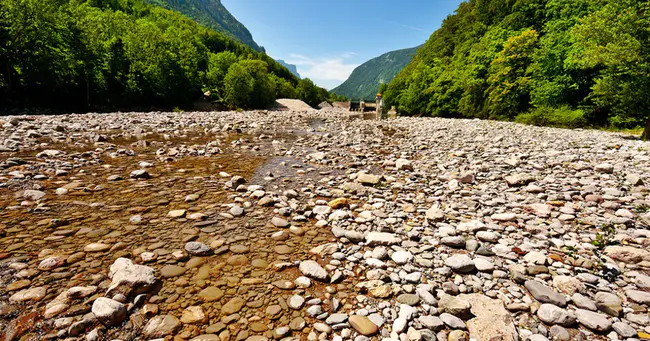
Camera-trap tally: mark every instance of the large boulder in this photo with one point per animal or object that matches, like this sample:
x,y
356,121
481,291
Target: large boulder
x,y
627,254
129,278
492,321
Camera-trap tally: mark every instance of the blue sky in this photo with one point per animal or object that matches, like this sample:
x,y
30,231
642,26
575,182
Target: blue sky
x,y
327,39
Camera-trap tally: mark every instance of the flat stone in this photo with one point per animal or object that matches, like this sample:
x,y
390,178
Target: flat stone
x,y
198,249
169,271
492,321
382,238
210,294
363,325
97,247
279,222
193,315
545,294
161,326
460,263
176,213
408,299
593,321
29,295
452,321
233,306
608,303
627,254
553,314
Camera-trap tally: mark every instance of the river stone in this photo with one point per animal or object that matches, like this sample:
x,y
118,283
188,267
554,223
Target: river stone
x,y
593,321
552,314
161,326
128,277
460,263
198,249
279,222
545,294
176,213
33,195
368,179
233,306
492,321
169,271
96,247
568,285
623,329
363,325
296,302
454,305
312,269
401,257
382,238
193,315
32,294
628,254
210,294
608,303
109,312
452,321
408,299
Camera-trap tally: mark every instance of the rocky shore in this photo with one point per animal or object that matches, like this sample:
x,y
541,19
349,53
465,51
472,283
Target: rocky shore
x,y
312,226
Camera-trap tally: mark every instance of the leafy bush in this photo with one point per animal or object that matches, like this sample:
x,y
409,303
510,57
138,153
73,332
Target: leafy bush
x,y
562,117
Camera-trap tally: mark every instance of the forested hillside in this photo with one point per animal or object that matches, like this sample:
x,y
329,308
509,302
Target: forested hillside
x,y
365,80
96,54
213,14
554,62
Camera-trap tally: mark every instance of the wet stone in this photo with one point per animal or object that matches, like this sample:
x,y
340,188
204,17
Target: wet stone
x,y
169,271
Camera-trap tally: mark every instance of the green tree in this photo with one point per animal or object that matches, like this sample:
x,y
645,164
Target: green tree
x,y
282,87
218,66
615,39
509,79
247,85
308,92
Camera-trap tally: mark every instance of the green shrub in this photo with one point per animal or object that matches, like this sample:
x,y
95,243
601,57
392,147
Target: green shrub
x,y
561,117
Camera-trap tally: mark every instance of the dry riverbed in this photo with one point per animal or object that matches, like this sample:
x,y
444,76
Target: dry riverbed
x,y
304,225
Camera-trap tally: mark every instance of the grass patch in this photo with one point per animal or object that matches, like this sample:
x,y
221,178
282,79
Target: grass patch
x,y
561,117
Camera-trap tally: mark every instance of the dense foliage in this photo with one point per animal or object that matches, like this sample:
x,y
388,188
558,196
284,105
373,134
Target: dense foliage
x,y
365,80
124,53
557,62
212,14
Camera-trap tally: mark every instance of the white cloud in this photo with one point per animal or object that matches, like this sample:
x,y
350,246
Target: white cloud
x,y
324,70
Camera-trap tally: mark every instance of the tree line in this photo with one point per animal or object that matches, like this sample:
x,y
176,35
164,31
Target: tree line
x,y
95,54
568,63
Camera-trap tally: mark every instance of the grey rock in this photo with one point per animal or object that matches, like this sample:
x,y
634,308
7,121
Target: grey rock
x,y
545,294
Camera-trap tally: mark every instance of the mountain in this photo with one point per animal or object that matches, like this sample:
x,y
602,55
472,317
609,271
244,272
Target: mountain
x,y
212,14
545,62
365,80
290,67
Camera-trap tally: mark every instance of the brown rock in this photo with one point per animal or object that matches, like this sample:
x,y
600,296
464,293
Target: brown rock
x,y
363,325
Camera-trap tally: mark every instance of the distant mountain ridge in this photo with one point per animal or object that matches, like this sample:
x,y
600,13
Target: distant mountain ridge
x,y
365,80
212,14
290,67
